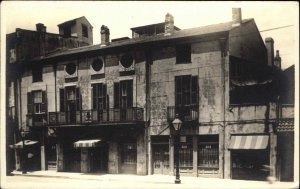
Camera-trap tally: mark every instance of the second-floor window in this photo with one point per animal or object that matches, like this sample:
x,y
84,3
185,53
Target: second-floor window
x,y
70,99
123,94
100,101
183,54
36,102
186,90
37,74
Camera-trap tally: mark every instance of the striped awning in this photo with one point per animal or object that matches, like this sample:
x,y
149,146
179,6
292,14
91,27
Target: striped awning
x,y
87,143
19,145
247,142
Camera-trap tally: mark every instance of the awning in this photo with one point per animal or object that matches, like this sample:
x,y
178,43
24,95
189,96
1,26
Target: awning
x,y
247,142
19,145
87,143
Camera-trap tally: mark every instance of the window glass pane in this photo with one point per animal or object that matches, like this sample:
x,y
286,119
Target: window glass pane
x,y
37,97
70,95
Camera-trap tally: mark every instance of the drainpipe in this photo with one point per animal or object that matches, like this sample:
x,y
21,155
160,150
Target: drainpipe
x,y
223,55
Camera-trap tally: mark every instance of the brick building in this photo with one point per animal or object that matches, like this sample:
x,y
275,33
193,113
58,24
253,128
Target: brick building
x,y
109,107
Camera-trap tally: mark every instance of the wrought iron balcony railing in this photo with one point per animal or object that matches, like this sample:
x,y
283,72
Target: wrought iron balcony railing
x,y
185,113
112,115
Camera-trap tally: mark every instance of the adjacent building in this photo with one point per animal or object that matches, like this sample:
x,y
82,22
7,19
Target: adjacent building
x,y
109,107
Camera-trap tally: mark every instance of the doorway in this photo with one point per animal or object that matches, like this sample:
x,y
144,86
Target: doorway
x,y
161,159
99,159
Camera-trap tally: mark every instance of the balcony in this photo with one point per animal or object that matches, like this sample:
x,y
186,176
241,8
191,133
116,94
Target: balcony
x,y
85,117
185,113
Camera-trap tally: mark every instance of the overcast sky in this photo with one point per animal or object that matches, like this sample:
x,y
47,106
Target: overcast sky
x,y
121,16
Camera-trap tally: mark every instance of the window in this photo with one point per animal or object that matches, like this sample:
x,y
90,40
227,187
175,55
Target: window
x,y
123,94
129,153
126,60
186,153
99,97
208,155
84,31
71,69
36,102
186,89
37,73
183,54
70,99
97,64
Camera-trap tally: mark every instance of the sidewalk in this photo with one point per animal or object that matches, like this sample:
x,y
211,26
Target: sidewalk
x,y
161,179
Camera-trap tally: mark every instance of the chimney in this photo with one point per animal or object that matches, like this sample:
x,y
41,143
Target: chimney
x,y
40,27
277,60
169,24
236,17
270,50
104,35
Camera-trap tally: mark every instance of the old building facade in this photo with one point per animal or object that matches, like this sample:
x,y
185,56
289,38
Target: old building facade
x,y
109,107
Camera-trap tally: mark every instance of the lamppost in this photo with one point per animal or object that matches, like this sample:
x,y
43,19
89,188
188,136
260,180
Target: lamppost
x,y
23,160
177,124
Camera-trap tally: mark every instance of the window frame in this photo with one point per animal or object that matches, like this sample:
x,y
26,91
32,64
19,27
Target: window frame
x,y
84,30
186,95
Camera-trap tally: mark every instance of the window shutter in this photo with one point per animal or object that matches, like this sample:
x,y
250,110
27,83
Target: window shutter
x,y
178,91
194,90
116,95
78,99
94,102
129,93
104,97
29,103
44,102
62,99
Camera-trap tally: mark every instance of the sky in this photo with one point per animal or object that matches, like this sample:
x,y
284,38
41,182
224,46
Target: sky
x,y
122,15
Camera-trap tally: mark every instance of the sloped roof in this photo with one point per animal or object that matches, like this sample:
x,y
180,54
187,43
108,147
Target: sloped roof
x,y
204,30
73,21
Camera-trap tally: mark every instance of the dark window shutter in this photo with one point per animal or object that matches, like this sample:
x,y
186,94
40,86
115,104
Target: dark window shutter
x,y
62,99
178,91
116,95
29,103
129,93
194,90
44,102
95,97
104,97
78,99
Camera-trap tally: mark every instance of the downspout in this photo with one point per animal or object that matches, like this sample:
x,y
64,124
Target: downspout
x,y
223,55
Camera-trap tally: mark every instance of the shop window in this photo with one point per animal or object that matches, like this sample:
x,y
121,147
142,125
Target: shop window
x,y
37,74
129,153
99,97
183,54
186,153
84,31
208,155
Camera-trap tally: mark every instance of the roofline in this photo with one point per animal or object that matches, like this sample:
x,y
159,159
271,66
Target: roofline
x,y
75,20
161,23
37,31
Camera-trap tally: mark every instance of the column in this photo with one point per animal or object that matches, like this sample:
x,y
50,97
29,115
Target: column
x,y
141,155
85,160
273,146
226,159
43,152
113,160
195,155
171,155
60,156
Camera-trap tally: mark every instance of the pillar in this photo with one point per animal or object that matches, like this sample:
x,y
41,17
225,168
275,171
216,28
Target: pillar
x,y
171,155
195,155
113,160
273,153
85,161
141,155
225,161
43,152
60,156
150,167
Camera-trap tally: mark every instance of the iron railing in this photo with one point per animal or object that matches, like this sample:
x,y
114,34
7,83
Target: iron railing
x,y
185,113
112,115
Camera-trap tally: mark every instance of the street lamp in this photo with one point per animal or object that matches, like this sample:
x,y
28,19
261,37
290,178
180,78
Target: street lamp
x,y
24,163
177,124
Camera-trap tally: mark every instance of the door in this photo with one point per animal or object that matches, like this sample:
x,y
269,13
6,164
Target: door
x,y
51,153
128,158
160,159
99,159
71,112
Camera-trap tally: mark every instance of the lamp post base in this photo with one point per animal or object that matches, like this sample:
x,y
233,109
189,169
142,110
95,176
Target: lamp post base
x,y
177,181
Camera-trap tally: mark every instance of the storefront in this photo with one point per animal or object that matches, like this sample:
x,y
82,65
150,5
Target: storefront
x,y
128,150
160,155
250,157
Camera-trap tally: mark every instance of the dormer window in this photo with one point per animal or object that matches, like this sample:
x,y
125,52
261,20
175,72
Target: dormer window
x,y
183,54
84,31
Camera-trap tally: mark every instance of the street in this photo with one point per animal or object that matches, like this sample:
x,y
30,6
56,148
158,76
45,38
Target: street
x,y
129,181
